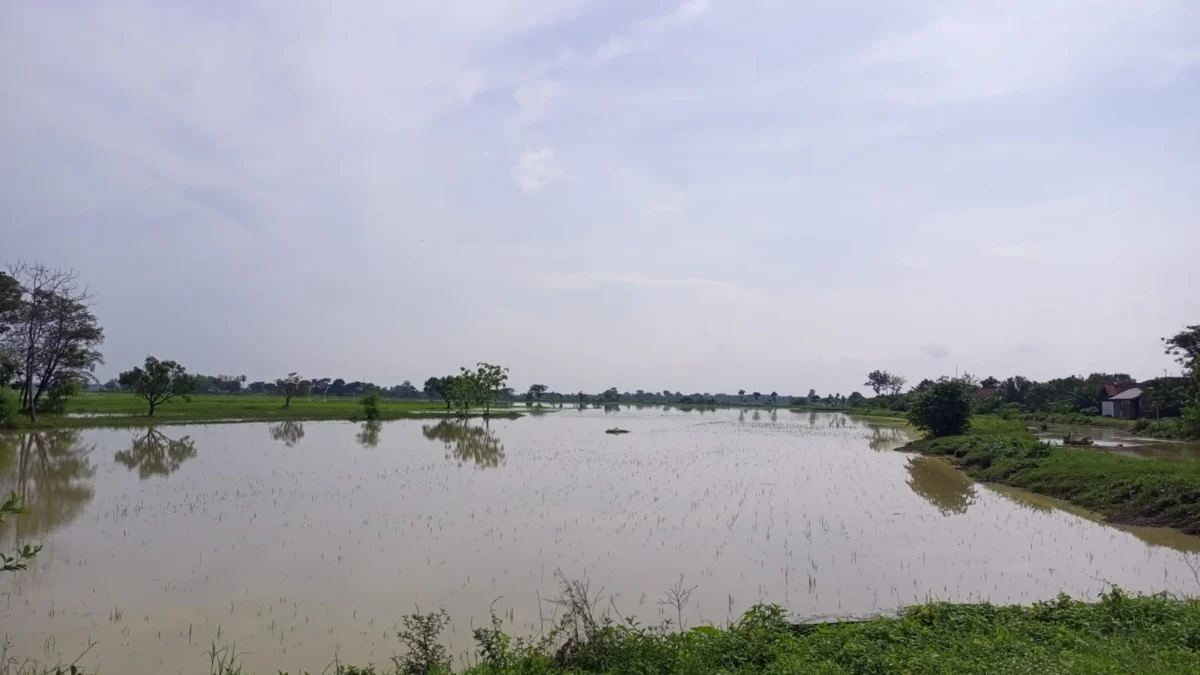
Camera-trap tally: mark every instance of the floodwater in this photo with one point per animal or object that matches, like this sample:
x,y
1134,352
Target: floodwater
x,y
298,542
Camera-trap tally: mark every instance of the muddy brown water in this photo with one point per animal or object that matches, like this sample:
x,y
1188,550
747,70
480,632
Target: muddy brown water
x,y
297,542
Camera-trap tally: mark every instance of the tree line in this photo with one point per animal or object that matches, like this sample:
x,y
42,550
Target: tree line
x,y
50,340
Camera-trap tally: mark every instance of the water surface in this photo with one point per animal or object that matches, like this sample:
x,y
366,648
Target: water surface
x,y
299,541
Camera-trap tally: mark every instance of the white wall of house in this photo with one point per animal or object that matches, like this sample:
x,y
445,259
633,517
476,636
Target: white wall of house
x,y
1106,409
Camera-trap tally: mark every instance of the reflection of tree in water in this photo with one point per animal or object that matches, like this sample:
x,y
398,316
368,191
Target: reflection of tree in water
x,y
941,485
288,432
467,443
154,454
887,438
50,471
368,436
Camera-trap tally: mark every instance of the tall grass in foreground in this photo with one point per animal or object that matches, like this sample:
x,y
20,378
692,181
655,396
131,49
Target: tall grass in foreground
x,y
1118,634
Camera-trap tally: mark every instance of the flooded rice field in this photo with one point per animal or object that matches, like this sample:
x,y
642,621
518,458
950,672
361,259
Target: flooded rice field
x,y
299,542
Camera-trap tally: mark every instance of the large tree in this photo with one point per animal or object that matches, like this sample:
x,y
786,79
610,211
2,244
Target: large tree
x,y
878,381
290,387
439,387
1185,347
158,382
538,390
490,379
47,330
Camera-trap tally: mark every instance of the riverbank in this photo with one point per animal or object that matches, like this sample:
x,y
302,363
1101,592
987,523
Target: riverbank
x,y
1122,489
1118,634
1171,428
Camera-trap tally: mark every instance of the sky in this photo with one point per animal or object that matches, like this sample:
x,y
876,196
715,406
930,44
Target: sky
x,y
704,195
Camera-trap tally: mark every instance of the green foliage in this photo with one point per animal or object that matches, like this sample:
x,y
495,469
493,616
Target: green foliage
x,y
1137,635
20,559
1124,489
158,382
881,381
1189,422
1185,347
48,331
942,409
439,387
55,402
489,380
9,408
292,386
370,404
420,635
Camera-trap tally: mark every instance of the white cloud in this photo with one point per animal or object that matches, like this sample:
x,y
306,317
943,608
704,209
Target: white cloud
x,y
647,31
737,156
1009,251
535,170
971,51
534,99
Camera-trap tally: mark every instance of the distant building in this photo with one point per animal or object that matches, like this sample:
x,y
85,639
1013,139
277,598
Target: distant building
x,y
1125,404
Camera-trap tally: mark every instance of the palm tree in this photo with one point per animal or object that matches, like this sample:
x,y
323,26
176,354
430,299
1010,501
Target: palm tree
x,y
742,395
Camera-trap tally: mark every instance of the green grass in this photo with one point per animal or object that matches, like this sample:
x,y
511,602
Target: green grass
x,y
878,413
1122,489
109,410
1079,420
1119,635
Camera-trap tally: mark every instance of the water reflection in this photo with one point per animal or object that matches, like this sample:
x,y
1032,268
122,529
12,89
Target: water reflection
x,y
940,484
155,454
288,432
1157,536
467,442
368,436
51,473
887,438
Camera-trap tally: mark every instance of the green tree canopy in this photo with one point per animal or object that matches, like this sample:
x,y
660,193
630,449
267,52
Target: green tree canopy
x,y
943,409
158,382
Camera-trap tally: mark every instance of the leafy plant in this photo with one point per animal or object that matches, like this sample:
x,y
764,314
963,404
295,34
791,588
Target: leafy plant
x,y
370,404
292,386
942,409
23,555
425,654
159,382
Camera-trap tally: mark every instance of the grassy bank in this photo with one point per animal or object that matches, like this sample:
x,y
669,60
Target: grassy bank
x,y
123,410
1167,427
1122,489
879,413
1118,634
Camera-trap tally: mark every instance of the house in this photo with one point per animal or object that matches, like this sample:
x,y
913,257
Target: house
x,y
1113,388
1126,404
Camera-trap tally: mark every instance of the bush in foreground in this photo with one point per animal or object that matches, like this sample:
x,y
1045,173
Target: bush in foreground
x,y
1119,634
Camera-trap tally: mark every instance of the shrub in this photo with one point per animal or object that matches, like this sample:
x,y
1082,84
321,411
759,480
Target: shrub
x,y
943,409
1090,412
425,654
8,407
370,404
1141,425
55,401
1189,421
